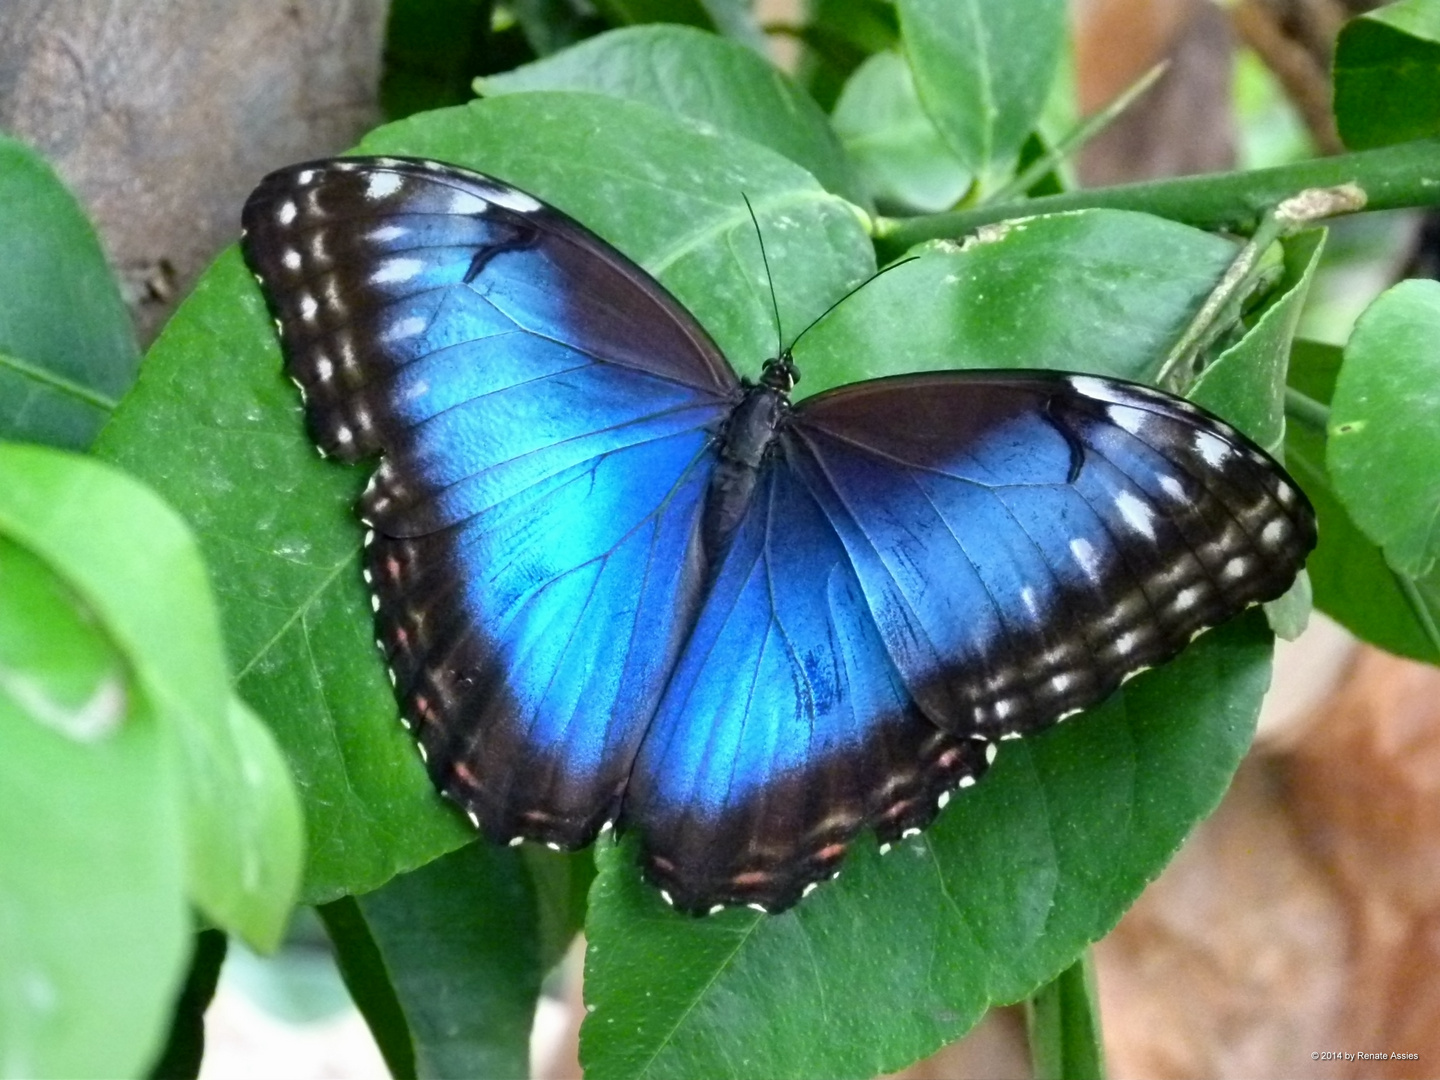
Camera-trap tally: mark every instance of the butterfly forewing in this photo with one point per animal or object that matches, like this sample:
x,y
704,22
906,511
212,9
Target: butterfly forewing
x,y
1027,540
545,414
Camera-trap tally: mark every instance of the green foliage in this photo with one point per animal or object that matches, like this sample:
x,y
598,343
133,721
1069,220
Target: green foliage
x,y
66,348
1384,438
742,94
134,778
133,758
1353,584
895,145
982,71
1387,75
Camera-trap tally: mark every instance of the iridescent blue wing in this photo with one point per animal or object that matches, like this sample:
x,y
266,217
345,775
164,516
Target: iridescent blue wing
x,y
934,562
545,416
786,729
1027,540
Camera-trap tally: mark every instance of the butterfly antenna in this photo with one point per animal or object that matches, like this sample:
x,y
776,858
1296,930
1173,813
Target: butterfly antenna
x,y
878,274
769,279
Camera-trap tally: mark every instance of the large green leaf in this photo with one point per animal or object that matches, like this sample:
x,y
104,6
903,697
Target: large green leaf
x,y
455,950
93,922
1352,582
1046,292
983,71
1387,75
1384,435
906,951
214,425
67,350
703,77
132,559
897,148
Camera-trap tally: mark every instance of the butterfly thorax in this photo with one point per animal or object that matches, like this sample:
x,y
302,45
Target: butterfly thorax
x,y
745,442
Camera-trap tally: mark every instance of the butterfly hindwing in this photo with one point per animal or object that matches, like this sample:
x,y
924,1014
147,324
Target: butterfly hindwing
x,y
1027,540
545,415
786,729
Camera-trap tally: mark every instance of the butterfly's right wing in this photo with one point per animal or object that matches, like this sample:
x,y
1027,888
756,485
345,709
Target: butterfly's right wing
x,y
546,416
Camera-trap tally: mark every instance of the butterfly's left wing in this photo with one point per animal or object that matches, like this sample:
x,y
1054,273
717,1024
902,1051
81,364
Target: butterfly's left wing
x,y
545,417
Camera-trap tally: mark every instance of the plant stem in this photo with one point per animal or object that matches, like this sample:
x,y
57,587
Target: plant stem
x,y
1306,410
1391,178
1063,1021
1078,136
57,382
1418,607
1177,370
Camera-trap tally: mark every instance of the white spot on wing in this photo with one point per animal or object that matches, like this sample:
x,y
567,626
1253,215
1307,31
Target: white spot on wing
x,y
1131,420
291,259
403,329
512,199
286,214
1273,533
1136,514
393,270
385,233
465,202
1212,448
1085,555
381,185
1172,487
1091,388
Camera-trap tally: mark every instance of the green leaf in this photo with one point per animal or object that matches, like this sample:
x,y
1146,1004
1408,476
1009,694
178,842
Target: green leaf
x,y
134,562
1351,580
731,18
67,350
451,953
552,25
837,36
903,160
983,70
1246,383
1384,435
95,930
225,440
1045,292
1387,75
1015,879
185,1047
562,889
433,48
706,78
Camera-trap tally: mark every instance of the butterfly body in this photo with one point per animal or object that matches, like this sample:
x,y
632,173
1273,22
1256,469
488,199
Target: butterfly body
x,y
615,584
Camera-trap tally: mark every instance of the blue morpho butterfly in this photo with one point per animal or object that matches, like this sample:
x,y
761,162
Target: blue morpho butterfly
x,y
617,584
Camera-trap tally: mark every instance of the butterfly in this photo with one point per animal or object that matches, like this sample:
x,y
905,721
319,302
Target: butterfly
x,y
617,585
